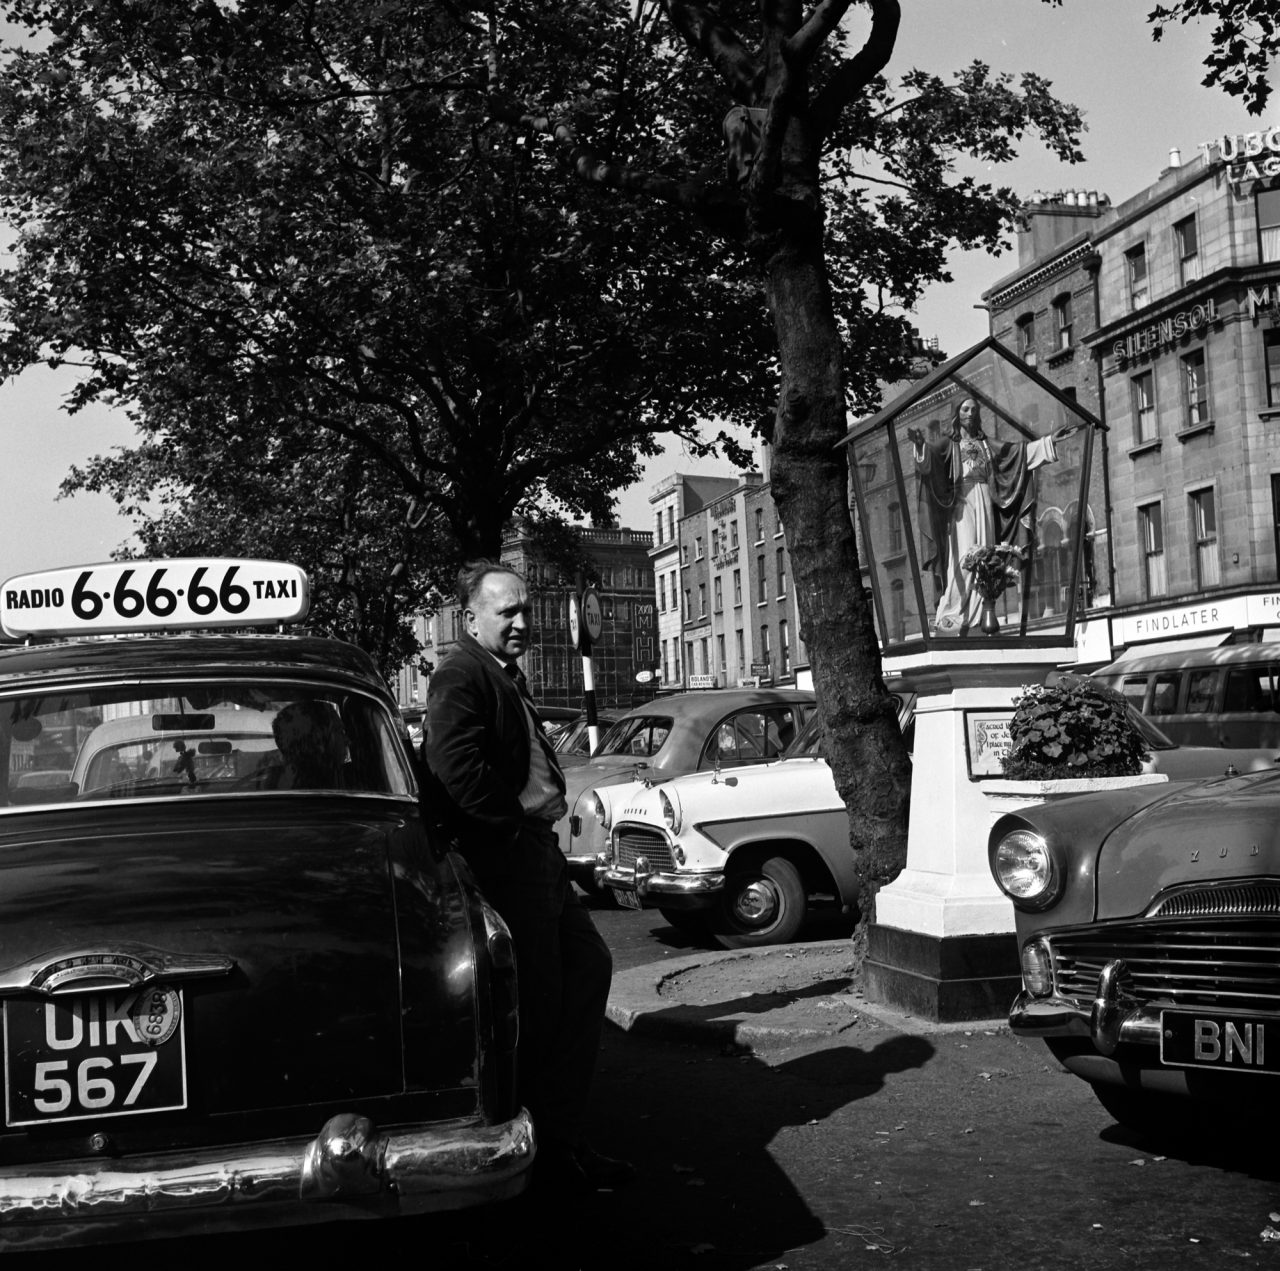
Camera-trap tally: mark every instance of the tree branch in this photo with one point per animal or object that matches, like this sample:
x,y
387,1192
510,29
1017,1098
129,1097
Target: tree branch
x,y
855,74
720,45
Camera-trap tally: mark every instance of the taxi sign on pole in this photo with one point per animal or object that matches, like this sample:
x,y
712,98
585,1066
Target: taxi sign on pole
x,y
592,615
153,595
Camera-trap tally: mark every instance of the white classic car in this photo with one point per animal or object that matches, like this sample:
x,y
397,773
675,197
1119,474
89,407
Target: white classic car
x,y
745,855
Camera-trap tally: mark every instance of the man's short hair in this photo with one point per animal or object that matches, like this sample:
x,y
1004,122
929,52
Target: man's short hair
x,y
473,574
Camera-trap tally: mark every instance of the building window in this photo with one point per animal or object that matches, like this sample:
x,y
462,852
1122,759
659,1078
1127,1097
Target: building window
x,y
764,642
718,593
715,542
704,651
697,548
1027,339
671,526
657,533
662,594
1204,528
720,662
702,600
666,664
737,586
781,563
733,534
1187,243
784,649
1136,268
740,645
1195,390
898,609
762,583
1151,539
759,525
1271,346
687,608
1275,517
684,552
688,657
1268,205
895,528
1143,389
1062,320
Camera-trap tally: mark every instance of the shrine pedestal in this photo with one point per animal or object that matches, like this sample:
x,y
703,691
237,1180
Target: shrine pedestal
x,y
942,946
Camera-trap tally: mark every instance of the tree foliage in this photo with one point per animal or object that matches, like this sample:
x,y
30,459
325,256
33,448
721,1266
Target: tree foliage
x,y
1243,43
500,246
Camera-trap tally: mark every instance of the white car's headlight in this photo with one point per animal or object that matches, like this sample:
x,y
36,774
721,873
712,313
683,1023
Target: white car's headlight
x,y
670,810
600,809
1025,869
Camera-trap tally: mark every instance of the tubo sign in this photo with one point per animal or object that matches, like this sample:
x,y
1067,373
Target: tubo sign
x,y
1249,157
1153,338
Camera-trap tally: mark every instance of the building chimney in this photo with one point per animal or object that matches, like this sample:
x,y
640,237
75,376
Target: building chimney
x,y
1175,157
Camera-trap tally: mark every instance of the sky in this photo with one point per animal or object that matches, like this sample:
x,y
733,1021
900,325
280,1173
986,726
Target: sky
x,y
1139,100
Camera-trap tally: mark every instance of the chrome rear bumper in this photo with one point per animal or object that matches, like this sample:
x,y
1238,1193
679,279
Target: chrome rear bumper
x,y
349,1169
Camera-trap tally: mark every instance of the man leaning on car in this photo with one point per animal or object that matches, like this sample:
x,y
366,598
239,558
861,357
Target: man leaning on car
x,y
501,787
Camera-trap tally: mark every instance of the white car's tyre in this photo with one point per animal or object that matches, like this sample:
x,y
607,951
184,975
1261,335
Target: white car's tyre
x,y
763,903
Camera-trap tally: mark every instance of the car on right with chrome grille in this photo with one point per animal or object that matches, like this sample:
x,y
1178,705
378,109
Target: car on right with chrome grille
x,y
1148,927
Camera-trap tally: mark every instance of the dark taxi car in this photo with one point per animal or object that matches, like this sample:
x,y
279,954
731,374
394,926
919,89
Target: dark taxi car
x,y
1148,924
239,986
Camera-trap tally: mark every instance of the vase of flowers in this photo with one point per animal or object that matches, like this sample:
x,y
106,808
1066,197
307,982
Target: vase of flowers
x,y
992,569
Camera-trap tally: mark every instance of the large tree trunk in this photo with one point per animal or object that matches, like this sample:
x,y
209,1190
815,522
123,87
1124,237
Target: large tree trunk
x,y
810,490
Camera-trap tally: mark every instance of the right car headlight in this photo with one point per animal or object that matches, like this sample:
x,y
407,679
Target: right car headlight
x,y
1025,869
600,809
670,803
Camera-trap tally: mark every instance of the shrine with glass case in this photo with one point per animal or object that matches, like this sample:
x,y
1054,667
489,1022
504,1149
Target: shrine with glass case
x,y
973,497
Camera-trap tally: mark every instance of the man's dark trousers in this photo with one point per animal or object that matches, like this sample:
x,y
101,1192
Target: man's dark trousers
x,y
563,969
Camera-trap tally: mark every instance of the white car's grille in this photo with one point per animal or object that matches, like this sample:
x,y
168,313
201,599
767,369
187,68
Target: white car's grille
x,y
633,841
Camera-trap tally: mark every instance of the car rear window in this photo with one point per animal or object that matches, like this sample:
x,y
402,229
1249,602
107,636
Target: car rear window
x,y
232,738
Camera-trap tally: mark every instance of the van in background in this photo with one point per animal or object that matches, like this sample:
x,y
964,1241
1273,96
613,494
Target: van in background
x,y
1228,696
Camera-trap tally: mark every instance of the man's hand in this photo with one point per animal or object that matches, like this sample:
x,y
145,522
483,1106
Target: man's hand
x,y
915,436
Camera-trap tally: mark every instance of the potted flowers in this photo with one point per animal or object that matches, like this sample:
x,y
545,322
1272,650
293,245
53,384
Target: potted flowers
x,y
992,567
1073,736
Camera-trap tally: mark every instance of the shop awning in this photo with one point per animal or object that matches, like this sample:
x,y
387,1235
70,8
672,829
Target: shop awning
x,y
1212,640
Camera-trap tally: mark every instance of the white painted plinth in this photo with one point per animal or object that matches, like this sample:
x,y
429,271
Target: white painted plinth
x,y
947,888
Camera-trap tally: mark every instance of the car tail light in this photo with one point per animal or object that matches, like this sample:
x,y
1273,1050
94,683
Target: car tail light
x,y
502,980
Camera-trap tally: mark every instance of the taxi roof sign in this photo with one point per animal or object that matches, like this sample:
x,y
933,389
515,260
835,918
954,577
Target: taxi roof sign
x,y
191,593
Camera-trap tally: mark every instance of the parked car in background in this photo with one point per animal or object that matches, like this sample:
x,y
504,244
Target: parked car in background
x,y
686,732
1148,927
555,719
747,857
414,719
573,742
239,986
1225,696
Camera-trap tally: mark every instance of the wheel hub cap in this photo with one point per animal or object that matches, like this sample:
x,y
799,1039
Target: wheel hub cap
x,y
757,902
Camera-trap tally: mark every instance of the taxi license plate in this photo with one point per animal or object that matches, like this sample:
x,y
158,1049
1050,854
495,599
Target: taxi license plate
x,y
627,899
94,1055
1207,1039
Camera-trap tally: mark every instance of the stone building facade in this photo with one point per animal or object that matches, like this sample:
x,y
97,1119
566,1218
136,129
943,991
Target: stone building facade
x,y
1180,357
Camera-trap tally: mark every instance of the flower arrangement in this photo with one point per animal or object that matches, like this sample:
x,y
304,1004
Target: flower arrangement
x,y
1075,727
993,568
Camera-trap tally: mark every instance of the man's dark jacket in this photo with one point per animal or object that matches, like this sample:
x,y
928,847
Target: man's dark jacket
x,y
476,748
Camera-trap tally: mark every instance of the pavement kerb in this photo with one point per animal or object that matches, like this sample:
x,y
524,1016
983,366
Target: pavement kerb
x,y
637,1003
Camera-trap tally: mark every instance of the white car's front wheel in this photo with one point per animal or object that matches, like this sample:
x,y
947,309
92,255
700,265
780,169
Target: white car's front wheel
x,y
763,903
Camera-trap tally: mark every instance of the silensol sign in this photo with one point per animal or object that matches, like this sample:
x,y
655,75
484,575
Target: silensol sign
x,y
1153,338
